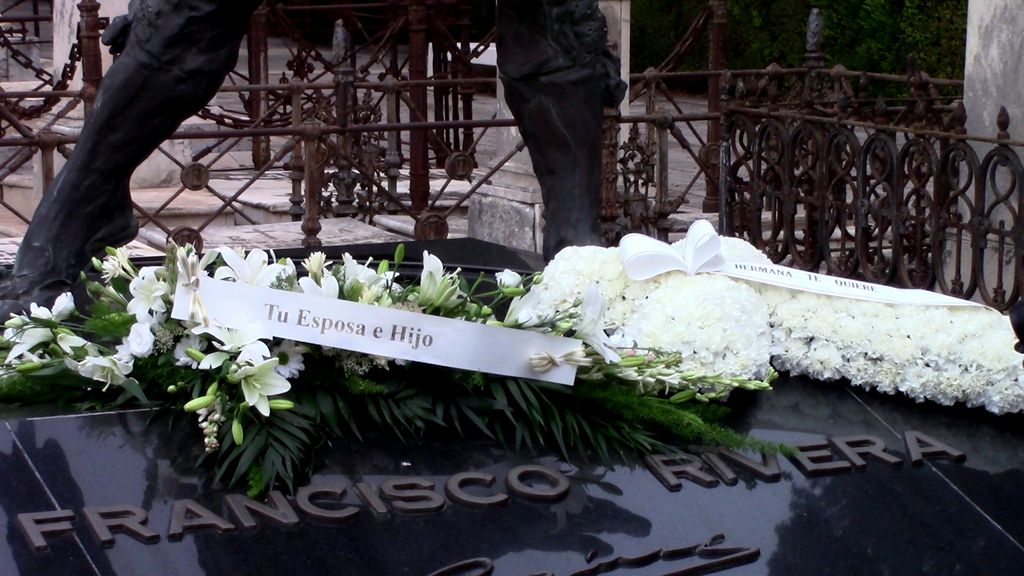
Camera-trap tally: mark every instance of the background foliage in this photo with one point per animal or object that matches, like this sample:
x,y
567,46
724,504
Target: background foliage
x,y
870,35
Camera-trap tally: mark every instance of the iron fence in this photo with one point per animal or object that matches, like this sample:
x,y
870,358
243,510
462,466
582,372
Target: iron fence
x,y
853,173
886,188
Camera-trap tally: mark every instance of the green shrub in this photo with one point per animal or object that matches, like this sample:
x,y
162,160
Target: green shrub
x,y
870,35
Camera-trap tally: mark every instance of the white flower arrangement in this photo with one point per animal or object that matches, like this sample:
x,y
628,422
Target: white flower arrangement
x,y
717,325
242,378
724,326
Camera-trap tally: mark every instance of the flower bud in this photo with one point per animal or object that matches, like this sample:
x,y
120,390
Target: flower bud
x,y
237,433
280,404
632,361
199,403
16,322
195,354
212,390
28,367
684,396
513,291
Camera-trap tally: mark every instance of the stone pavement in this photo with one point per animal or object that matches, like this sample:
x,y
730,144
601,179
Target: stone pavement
x,y
334,232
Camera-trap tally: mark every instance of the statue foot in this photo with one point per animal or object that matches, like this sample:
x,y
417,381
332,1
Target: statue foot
x,y
17,296
41,274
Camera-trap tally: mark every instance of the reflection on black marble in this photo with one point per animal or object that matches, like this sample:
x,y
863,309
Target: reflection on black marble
x,y
21,492
882,520
994,471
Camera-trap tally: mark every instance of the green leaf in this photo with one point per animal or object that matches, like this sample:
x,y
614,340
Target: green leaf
x,y
131,386
249,455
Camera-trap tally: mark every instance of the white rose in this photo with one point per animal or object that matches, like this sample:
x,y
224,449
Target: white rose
x,y
140,340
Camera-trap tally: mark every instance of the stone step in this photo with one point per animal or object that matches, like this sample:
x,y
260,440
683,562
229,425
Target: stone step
x,y
458,225
334,232
9,250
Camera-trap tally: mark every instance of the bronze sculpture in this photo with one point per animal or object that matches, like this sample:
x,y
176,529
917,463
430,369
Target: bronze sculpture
x,y
559,76
174,54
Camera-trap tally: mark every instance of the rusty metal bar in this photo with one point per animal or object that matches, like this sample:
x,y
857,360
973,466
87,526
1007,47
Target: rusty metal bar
x,y
311,217
256,42
716,62
325,7
874,126
419,170
89,46
297,165
25,19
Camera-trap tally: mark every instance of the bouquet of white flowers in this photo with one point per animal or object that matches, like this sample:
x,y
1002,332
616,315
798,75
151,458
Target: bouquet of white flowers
x,y
262,404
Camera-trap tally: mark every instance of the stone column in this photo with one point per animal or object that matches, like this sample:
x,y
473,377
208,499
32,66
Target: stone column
x,y
992,78
509,210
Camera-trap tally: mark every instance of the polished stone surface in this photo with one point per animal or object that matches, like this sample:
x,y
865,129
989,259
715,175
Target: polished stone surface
x,y
941,517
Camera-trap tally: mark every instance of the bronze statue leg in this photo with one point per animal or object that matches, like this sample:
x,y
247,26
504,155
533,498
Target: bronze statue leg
x,y
559,116
176,55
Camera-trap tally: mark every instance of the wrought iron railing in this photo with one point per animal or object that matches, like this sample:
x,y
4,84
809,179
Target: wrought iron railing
x,y
826,175
346,128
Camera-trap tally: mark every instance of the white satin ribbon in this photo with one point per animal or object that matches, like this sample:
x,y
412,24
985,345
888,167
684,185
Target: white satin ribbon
x,y
376,330
700,252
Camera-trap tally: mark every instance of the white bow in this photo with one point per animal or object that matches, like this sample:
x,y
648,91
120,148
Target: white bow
x,y
701,251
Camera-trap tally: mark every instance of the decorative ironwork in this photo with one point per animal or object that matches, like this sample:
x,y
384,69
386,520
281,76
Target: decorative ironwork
x,y
891,191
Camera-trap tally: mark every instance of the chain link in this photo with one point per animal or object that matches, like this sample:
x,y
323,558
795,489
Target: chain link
x,y
41,74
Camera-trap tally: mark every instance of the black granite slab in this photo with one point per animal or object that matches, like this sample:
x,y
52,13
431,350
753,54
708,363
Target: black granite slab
x,y
941,517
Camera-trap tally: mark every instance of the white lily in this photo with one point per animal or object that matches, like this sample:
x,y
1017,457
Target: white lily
x,y
252,269
244,341
522,311
436,288
259,382
24,340
108,369
327,287
63,307
362,283
68,342
148,293
590,326
39,312
117,264
315,265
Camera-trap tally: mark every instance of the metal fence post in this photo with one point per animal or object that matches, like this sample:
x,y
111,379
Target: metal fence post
x,y
419,171
258,74
311,227
89,45
716,62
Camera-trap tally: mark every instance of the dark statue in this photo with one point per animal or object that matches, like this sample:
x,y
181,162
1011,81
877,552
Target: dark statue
x,y
174,54
558,76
